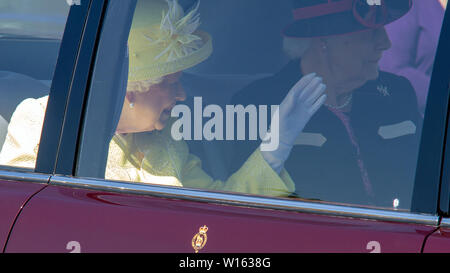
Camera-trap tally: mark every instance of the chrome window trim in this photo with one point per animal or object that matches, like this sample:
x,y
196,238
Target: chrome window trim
x,y
24,177
244,200
445,223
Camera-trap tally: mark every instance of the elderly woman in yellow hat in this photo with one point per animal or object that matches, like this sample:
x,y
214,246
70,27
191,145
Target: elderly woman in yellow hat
x,y
142,150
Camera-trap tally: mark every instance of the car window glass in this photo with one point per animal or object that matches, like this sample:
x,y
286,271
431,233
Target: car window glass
x,y
30,37
321,101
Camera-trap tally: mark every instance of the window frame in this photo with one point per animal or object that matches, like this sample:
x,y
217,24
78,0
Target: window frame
x,y
444,192
429,167
73,70
60,88
432,153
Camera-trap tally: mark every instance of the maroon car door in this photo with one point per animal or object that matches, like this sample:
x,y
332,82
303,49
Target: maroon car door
x,y
439,241
14,194
77,215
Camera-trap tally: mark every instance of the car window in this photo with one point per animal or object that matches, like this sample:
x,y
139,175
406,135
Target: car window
x,y
319,101
29,18
30,37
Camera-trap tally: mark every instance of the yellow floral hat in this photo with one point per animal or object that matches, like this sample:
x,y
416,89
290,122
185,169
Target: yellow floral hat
x,y
163,40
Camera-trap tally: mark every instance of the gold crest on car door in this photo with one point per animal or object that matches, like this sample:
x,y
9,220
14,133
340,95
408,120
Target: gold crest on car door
x,y
199,240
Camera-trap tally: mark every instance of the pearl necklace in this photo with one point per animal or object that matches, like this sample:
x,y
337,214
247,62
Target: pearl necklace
x,y
349,99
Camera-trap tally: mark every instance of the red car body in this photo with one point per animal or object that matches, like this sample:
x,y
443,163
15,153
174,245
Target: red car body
x,y
116,222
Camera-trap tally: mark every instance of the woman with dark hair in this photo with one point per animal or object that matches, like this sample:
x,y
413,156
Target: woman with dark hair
x,y
361,148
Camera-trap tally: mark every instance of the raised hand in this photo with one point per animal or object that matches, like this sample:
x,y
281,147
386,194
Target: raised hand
x,y
297,108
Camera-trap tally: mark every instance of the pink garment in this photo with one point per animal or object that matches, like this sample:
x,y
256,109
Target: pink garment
x,y
414,40
364,175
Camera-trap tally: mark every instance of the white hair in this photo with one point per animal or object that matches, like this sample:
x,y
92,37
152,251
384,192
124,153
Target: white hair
x,y
296,47
143,86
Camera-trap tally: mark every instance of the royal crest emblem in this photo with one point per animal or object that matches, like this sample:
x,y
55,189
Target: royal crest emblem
x,y
199,240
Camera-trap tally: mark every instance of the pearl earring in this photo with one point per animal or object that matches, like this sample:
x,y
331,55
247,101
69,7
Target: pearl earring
x,y
131,104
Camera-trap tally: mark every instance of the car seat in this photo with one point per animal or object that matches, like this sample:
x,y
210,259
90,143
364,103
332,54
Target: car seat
x,y
14,88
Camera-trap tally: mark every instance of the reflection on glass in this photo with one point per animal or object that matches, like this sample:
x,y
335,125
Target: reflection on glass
x,y
33,18
30,37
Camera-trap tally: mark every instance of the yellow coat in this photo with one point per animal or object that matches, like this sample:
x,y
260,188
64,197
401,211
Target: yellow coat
x,y
152,157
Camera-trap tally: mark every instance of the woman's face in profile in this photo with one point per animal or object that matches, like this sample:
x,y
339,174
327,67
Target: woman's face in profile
x,y
152,109
355,57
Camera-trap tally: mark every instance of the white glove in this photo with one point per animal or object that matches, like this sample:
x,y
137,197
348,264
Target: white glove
x,y
297,108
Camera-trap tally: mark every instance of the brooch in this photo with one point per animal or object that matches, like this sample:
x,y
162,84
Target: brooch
x,y
383,89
